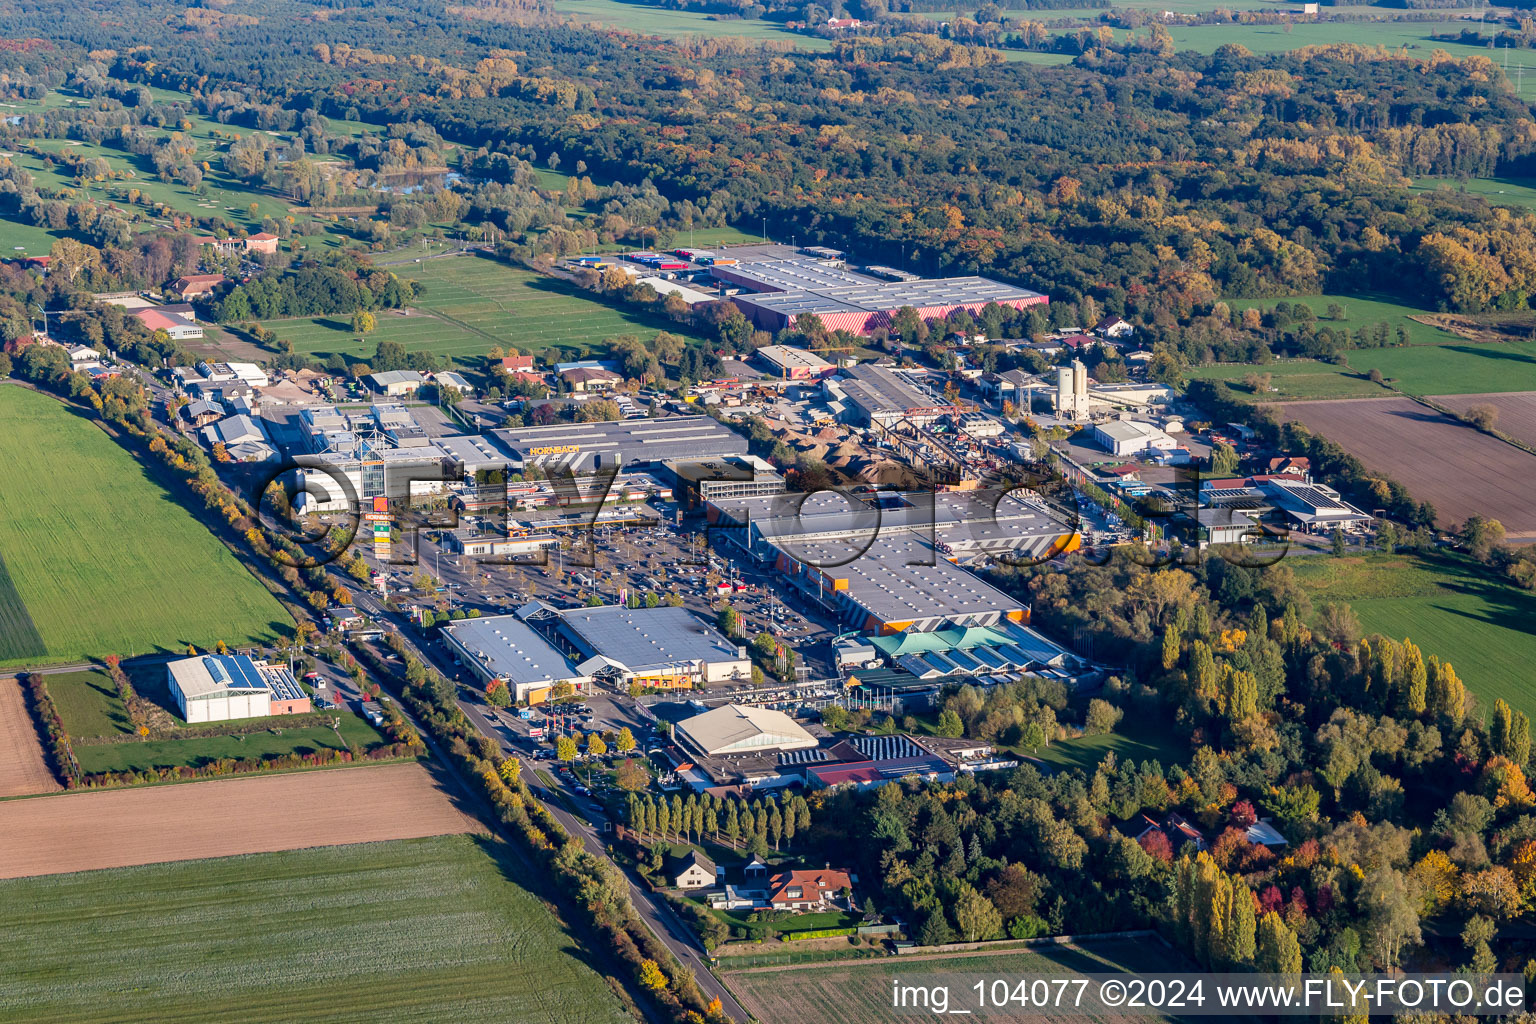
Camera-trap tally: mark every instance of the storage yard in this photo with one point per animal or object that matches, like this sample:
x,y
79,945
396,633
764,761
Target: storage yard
x,y
1457,469
86,831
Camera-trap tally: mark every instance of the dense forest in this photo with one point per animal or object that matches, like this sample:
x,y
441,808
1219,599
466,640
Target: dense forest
x,y
1154,182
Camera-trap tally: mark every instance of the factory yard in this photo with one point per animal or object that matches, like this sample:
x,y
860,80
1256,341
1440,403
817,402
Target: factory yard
x,y
221,818
1457,469
1517,411
22,768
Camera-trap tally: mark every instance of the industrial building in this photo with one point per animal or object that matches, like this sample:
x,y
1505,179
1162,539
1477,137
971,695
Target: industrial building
x,y
661,648
881,397
507,648
864,762
1131,437
738,729
963,525
1286,500
585,448
699,481
784,283
224,687
1072,391
790,363
889,562
396,383
896,582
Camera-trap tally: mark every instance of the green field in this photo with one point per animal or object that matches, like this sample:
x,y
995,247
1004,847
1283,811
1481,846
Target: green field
x,y
1132,740
97,557
421,930
1293,380
491,303
277,740
1467,368
224,196
323,335
658,21
1362,311
1447,605
1513,192
862,989
89,705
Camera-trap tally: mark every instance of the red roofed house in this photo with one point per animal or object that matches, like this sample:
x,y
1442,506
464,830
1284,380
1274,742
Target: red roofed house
x,y
807,890
1291,465
1077,341
843,23
261,241
192,286
517,364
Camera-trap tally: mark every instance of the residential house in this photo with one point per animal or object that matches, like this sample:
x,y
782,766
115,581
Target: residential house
x,y
1264,833
1178,830
807,890
517,364
1113,327
590,378
1291,465
196,284
694,871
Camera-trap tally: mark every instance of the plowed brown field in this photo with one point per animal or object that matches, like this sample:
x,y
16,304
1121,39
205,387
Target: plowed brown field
x,y
222,817
1517,411
22,768
1440,460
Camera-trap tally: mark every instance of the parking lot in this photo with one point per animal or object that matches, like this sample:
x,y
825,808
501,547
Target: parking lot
x,y
612,564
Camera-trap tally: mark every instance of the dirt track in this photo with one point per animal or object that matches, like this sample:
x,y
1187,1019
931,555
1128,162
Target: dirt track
x,y
1440,460
222,817
22,768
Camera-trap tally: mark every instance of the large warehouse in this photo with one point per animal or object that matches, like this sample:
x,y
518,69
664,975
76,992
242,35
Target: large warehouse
x,y
785,283
738,729
583,448
664,648
507,648
221,687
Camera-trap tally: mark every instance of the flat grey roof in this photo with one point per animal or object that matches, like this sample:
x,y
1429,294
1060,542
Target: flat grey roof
x,y
969,522
638,440
647,638
790,357
875,296
508,647
880,389
883,583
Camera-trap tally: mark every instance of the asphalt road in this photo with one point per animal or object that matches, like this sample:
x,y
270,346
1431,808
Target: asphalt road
x,y
652,907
